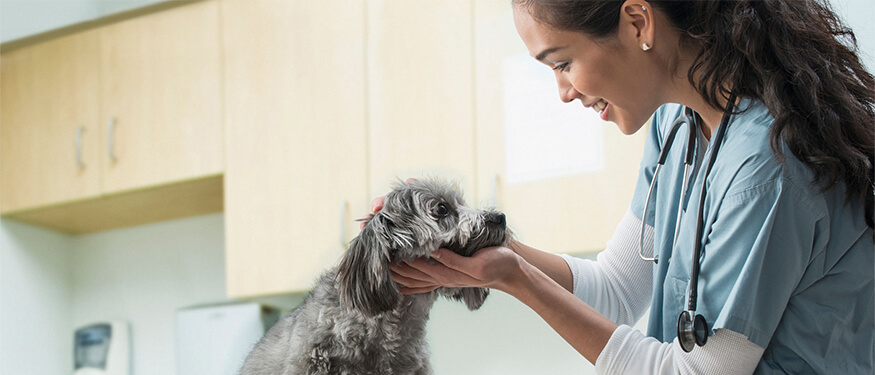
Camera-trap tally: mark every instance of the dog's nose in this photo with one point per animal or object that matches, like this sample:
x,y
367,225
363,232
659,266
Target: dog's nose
x,y
497,219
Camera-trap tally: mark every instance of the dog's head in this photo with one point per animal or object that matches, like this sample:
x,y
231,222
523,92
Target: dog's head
x,y
416,219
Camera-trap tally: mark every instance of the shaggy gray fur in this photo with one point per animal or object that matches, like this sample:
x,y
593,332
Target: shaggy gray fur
x,y
355,321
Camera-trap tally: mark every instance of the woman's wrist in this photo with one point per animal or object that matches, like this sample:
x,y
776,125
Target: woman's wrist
x,y
550,264
516,279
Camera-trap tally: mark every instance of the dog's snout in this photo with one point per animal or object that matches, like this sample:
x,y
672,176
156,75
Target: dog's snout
x,y
496,219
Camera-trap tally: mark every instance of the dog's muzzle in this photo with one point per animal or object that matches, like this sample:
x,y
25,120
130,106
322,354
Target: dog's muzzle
x,y
496,219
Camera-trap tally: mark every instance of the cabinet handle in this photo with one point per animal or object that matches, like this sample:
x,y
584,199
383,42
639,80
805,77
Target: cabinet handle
x,y
111,140
79,161
343,205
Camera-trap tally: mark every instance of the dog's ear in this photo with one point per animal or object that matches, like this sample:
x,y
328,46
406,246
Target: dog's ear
x,y
364,280
473,297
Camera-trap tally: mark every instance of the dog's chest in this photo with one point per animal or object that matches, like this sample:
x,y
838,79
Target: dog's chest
x,y
392,343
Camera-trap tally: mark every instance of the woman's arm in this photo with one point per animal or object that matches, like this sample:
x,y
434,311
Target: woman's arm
x,y
580,325
612,348
618,285
551,264
503,269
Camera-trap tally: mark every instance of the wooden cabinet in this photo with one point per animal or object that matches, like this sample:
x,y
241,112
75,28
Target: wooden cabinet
x,y
67,166
567,214
49,136
331,103
161,97
420,92
296,176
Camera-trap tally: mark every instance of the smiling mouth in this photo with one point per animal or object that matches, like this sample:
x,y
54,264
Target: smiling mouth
x,y
599,105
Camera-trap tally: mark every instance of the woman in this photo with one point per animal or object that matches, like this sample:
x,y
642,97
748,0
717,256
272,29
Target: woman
x,y
786,266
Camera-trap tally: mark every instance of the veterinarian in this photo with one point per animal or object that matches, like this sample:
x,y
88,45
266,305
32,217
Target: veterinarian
x,y
784,226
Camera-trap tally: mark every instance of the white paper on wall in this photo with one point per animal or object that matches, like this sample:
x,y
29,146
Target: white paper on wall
x,y
544,137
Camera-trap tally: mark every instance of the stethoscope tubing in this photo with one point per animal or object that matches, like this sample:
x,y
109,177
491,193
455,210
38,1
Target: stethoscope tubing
x,y
692,328
687,117
700,223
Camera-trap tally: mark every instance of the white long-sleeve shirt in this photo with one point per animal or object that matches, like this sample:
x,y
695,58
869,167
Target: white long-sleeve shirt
x,y
620,285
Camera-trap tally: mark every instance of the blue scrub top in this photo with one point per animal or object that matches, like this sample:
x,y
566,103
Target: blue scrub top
x,y
784,264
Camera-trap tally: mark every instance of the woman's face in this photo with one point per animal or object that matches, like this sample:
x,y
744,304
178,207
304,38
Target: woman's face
x,y
614,77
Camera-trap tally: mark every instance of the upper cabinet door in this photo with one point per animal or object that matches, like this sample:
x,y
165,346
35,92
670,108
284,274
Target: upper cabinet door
x,y
420,92
161,98
49,122
296,176
573,197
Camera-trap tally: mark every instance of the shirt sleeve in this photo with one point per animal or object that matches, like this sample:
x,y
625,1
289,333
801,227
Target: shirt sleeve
x,y
618,284
756,251
630,352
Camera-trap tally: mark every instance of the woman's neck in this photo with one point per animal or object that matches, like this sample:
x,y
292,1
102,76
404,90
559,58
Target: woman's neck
x,y
711,116
682,92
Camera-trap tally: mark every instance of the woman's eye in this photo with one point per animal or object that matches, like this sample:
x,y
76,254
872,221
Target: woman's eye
x,y
561,67
441,210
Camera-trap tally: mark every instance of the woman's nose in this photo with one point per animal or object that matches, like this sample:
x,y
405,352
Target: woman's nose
x,y
567,93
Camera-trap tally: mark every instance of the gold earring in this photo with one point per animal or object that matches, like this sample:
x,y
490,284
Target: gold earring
x,y
645,46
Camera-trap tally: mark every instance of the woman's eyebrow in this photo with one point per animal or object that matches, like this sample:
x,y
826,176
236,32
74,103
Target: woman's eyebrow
x,y
544,53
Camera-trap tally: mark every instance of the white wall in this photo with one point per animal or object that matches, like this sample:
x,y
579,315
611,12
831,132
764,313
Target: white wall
x,y
35,301
858,15
143,275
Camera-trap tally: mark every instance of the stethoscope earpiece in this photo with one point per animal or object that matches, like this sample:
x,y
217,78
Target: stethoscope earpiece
x,y
692,331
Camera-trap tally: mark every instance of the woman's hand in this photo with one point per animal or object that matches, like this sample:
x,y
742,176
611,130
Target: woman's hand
x,y
492,267
376,205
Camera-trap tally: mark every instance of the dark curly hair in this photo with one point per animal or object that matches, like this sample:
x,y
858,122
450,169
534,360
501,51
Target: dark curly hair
x,y
795,55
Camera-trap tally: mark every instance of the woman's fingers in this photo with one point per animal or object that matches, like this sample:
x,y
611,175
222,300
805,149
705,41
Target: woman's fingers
x,y
377,204
411,282
488,267
409,272
442,274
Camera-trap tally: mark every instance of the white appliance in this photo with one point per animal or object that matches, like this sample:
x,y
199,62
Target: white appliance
x,y
215,340
102,349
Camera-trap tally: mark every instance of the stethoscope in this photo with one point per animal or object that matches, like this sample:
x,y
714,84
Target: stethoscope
x,y
692,328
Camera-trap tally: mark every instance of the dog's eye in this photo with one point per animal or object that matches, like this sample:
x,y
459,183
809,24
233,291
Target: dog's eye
x,y
441,210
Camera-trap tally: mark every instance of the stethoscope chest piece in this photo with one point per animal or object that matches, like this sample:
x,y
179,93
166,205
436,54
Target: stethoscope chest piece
x,y
692,331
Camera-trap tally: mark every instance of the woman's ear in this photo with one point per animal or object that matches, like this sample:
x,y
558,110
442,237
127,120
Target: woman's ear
x,y
636,23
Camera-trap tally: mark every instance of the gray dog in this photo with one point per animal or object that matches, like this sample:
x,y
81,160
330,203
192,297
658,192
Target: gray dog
x,y
355,321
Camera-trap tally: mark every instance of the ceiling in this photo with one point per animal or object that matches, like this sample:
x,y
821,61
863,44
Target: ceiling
x,y
23,18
